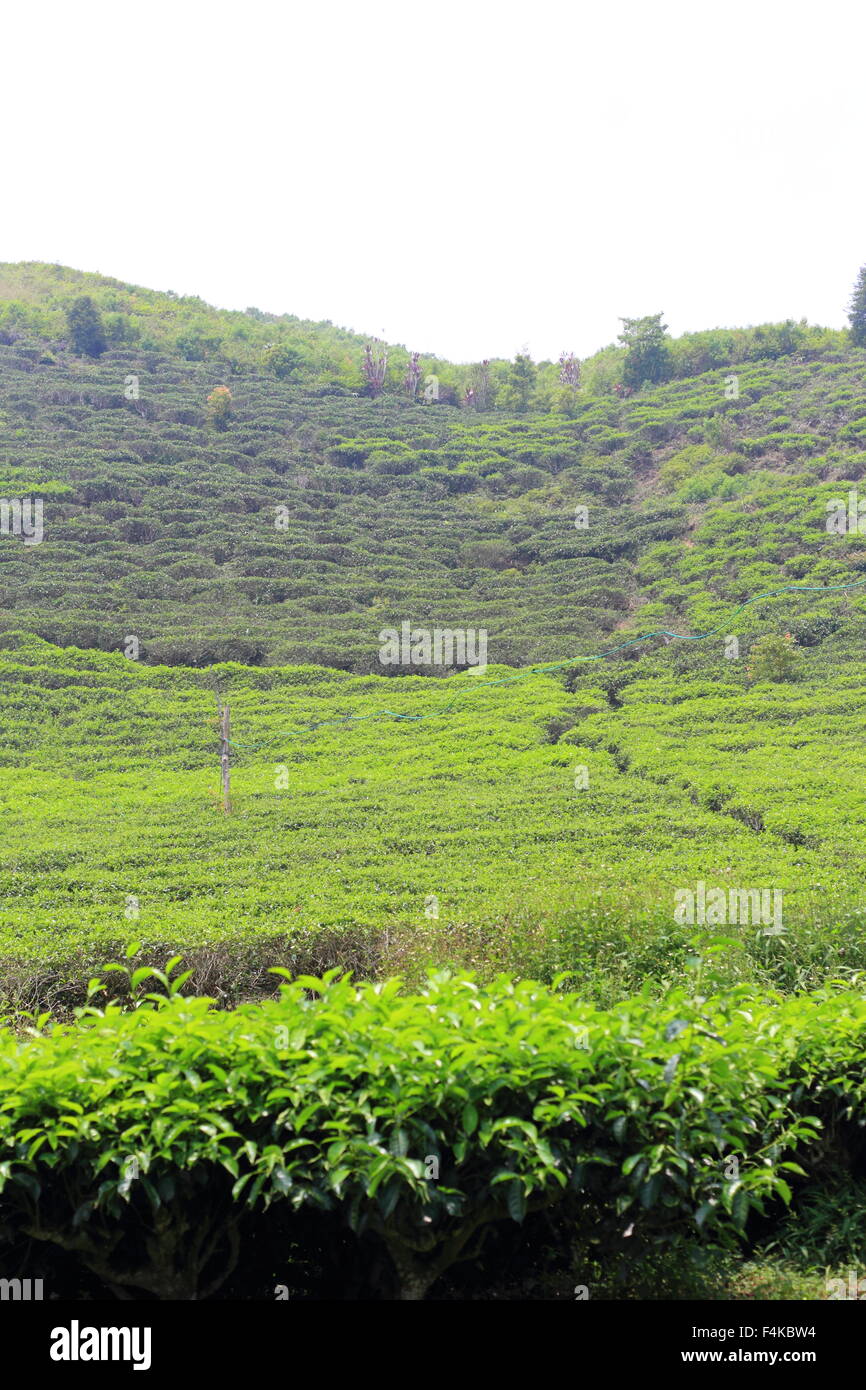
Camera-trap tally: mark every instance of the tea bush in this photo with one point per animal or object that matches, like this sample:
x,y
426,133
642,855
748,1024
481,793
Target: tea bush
x,y
141,1138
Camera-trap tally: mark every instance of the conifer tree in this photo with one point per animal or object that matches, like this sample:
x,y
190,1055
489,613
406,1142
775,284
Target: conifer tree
x,y
857,310
85,325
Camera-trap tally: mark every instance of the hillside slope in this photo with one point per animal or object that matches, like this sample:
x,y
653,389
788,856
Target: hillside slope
x,y
318,516
288,540
520,826
676,820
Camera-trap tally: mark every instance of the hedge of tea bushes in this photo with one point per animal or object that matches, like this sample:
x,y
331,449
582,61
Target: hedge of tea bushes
x,y
340,840
146,1143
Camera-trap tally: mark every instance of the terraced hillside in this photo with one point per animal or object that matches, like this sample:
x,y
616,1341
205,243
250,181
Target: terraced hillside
x,y
653,788
318,517
313,518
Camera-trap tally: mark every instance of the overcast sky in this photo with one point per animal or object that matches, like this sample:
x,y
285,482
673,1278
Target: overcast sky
x,y
466,179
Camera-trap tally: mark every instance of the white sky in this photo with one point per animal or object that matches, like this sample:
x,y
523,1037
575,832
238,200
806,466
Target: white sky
x,y
462,178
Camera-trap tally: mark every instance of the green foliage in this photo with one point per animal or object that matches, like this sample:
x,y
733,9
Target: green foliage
x,y
648,354
85,326
857,310
773,658
518,383
219,407
283,360
257,566
137,496
676,1120
198,342
341,837
35,298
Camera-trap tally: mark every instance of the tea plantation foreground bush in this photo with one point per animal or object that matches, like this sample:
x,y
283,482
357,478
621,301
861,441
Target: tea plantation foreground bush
x,y
162,1149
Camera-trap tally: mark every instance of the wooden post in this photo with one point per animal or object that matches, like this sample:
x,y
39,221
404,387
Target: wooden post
x,y
225,728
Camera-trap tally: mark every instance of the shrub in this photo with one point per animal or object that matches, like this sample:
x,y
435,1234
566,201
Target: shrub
x,y
283,360
142,1136
219,407
773,658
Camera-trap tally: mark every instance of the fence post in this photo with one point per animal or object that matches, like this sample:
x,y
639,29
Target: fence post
x,y
225,729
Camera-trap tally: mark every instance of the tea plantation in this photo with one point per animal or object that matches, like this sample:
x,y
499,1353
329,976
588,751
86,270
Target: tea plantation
x,y
576,942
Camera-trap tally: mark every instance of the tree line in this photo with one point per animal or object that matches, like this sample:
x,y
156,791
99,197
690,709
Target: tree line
x,y
644,353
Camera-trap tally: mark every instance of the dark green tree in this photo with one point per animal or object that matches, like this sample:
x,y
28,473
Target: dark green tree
x,y
520,382
198,342
648,357
85,325
857,310
481,386
283,360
